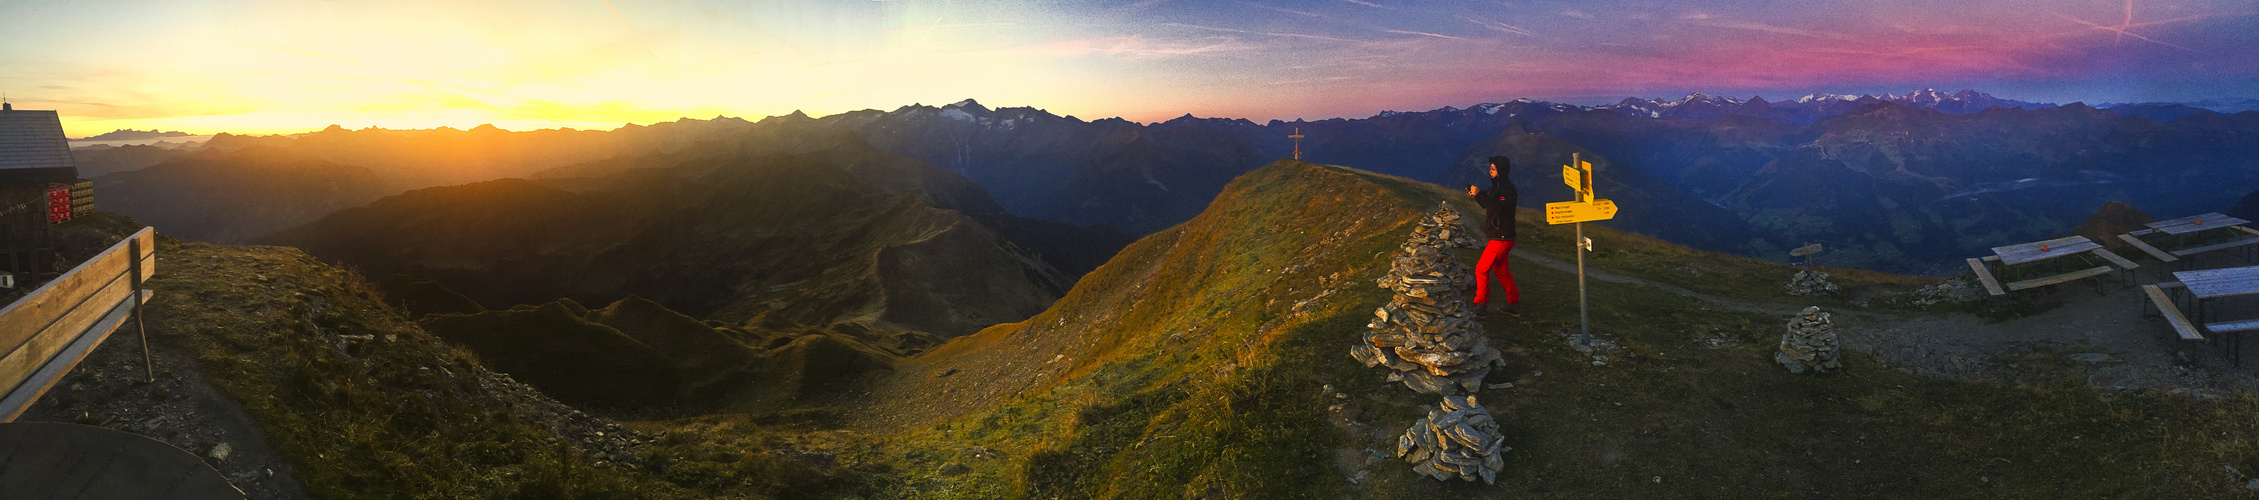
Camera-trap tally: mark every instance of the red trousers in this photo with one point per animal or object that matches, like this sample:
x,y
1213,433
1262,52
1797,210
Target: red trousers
x,y
1493,266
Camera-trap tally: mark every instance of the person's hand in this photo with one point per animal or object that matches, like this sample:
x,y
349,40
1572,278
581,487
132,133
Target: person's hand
x,y
1471,191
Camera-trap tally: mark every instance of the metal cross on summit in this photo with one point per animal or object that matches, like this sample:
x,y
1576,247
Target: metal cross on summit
x,y
1297,143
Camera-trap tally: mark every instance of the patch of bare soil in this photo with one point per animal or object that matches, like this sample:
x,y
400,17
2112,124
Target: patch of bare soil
x,y
111,389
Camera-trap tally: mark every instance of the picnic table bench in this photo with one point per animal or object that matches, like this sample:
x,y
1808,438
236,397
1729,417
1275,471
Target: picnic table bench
x,y
2212,284
2044,250
2189,225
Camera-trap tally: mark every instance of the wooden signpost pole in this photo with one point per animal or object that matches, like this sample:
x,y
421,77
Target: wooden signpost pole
x,y
1578,175
1584,195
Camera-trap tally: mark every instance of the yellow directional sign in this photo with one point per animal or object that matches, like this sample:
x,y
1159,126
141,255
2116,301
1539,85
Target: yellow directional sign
x,y
1573,177
1570,211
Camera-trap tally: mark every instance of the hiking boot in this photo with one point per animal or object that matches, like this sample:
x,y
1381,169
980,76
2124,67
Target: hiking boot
x,y
1482,310
1514,309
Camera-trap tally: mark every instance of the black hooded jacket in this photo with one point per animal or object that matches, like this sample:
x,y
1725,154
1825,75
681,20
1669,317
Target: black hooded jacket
x,y
1498,202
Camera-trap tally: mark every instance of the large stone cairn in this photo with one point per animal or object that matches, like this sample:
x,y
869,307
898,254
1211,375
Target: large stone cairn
x,y
1811,284
1810,342
1458,439
1426,333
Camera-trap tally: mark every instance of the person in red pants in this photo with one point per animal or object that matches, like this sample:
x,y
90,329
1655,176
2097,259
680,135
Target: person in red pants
x,y
1498,224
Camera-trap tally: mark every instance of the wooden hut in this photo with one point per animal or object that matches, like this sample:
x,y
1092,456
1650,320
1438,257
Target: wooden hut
x,y
37,180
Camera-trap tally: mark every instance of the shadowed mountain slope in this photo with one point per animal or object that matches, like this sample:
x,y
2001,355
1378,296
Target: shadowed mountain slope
x,y
236,196
809,240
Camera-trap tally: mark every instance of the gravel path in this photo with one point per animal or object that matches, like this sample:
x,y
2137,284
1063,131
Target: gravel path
x,y
2101,337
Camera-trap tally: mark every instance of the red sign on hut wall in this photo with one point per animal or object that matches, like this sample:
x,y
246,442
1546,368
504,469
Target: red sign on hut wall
x,y
58,203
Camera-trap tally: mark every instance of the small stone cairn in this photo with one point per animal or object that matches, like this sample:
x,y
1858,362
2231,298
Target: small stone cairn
x,y
1426,332
1952,290
1458,439
1810,342
1811,284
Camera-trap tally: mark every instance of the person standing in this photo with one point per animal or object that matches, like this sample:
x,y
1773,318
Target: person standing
x,y
1498,203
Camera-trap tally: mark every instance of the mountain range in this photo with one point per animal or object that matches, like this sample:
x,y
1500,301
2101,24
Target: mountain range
x,y
1906,182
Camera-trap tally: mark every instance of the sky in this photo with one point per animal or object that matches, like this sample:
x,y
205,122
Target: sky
x,y
283,66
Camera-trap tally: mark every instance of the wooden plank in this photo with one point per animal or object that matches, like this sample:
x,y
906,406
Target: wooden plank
x,y
1992,258
2050,280
40,308
16,367
2172,313
2142,232
2145,248
1990,285
2246,230
2232,326
2169,285
15,401
2122,263
2216,246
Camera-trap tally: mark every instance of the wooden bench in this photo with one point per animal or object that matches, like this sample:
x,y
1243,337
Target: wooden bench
x,y
45,334
2233,326
2172,312
2115,259
2050,280
2217,246
1990,285
2161,255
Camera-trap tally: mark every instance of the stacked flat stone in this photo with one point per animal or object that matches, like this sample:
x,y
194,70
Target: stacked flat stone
x,y
1426,333
1810,343
1811,284
1952,290
1458,439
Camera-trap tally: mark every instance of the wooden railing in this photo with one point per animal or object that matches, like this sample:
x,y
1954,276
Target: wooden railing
x,y
45,334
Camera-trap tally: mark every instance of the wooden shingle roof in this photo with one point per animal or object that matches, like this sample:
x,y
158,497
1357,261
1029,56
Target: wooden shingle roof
x,y
33,139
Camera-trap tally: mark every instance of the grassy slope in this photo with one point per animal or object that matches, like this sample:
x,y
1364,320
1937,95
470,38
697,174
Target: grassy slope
x,y
1188,367
366,419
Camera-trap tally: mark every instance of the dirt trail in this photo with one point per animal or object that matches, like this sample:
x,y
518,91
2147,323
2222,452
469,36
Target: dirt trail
x,y
2102,337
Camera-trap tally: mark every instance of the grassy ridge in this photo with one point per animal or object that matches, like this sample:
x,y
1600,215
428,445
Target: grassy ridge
x,y
1196,375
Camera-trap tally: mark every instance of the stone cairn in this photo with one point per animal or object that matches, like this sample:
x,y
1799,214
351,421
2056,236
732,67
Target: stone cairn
x,y
1458,439
1426,332
1810,342
1811,284
1952,290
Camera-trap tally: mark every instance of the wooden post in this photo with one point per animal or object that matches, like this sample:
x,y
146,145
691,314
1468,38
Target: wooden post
x,y
133,270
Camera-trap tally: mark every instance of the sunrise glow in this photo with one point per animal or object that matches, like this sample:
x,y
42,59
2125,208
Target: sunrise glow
x,y
282,66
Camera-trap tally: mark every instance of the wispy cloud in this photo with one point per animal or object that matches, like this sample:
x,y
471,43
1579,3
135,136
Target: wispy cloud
x,y
1268,33
938,25
1767,28
1576,14
1500,26
1138,46
2125,27
1287,10
1367,4
1422,33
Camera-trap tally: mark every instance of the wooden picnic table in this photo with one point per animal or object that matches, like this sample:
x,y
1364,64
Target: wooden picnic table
x,y
2189,225
2194,223
2043,250
2210,284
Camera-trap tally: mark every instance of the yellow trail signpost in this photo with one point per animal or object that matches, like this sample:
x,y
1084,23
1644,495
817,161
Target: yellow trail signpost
x,y
1570,211
1578,175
